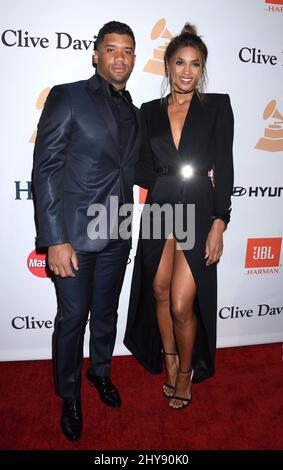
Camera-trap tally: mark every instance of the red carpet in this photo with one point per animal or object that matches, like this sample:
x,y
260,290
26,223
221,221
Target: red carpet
x,y
240,408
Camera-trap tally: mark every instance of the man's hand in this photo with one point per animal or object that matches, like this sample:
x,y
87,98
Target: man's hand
x,y
60,258
214,242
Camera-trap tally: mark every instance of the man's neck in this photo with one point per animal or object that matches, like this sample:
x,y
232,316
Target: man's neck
x,y
116,86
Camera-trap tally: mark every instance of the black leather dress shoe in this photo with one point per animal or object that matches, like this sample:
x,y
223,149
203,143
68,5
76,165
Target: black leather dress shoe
x,y
108,393
71,418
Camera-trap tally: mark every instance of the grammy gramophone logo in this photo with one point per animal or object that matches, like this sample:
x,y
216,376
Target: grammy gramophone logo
x,y
272,140
39,105
156,65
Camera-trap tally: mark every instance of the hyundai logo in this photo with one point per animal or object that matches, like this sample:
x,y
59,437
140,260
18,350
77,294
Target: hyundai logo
x,y
239,191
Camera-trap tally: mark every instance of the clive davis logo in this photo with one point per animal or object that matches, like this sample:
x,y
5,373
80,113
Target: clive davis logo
x,y
39,105
263,255
272,140
156,65
274,6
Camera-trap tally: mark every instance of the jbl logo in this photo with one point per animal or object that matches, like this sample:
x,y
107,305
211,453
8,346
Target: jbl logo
x,y
263,252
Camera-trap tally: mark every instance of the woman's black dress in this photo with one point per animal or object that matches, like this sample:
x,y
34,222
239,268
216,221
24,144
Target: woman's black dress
x,y
206,143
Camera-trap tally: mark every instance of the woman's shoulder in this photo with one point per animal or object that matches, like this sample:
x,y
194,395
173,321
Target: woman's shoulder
x,y
152,108
152,104
215,98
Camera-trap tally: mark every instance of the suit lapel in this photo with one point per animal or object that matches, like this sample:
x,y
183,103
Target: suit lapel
x,y
188,145
164,127
103,108
189,142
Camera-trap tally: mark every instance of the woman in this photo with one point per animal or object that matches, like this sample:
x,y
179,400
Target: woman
x,y
173,301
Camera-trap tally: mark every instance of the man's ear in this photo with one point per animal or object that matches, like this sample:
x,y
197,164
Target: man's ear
x,y
95,57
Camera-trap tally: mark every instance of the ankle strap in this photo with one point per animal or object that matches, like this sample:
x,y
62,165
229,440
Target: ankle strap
x,y
170,353
185,371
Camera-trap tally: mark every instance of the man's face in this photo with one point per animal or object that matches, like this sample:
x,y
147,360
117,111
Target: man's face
x,y
115,59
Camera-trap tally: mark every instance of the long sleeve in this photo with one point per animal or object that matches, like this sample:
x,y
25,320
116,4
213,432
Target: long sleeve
x,y
144,171
224,174
53,137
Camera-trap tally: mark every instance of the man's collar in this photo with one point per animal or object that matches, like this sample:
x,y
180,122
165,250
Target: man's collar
x,y
110,90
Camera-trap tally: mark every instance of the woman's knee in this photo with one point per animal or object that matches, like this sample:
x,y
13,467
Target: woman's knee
x,y
161,292
182,313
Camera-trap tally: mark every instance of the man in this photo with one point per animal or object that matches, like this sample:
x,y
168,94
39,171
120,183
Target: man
x,y
85,152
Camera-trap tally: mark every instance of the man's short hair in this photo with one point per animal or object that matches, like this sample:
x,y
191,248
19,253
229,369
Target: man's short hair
x,y
114,27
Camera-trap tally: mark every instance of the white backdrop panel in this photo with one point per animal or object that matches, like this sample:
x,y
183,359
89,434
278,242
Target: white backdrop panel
x,y
245,60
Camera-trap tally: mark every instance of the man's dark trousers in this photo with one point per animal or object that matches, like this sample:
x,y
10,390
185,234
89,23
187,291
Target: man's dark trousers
x,y
96,288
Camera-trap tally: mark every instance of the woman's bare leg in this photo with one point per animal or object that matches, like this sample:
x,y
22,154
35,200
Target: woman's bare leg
x,y
161,289
183,292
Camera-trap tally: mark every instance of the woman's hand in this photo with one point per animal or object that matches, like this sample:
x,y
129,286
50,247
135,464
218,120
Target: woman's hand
x,y
214,242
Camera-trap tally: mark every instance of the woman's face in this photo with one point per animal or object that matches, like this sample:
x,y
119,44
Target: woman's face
x,y
184,69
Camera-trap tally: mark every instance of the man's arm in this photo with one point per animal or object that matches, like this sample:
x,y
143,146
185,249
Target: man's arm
x,y
53,137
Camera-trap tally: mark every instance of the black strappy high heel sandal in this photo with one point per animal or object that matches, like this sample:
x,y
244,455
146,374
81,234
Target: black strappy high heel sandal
x,y
171,387
185,401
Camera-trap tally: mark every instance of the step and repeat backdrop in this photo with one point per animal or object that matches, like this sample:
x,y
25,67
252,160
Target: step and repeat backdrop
x,y
46,44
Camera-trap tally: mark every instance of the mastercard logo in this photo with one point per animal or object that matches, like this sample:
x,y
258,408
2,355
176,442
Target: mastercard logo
x,y
36,263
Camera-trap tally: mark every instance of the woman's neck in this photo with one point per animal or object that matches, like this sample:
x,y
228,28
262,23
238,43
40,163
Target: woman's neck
x,y
178,98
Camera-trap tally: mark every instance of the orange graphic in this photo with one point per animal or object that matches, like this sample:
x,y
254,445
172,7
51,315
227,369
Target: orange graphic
x,y
39,105
142,195
263,252
273,133
275,2
156,65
